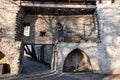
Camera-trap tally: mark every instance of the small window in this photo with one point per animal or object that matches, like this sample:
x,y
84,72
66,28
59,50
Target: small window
x,y
42,33
27,29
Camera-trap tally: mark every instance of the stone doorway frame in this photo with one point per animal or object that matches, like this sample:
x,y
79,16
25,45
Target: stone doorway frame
x,y
74,55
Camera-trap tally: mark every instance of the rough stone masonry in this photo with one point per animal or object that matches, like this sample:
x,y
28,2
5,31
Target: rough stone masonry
x,y
104,56
8,46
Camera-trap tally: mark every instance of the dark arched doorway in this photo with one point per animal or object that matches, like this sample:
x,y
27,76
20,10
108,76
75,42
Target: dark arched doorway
x,y
76,61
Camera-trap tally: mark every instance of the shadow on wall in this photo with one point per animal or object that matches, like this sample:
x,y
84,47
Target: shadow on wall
x,y
25,32
84,32
1,55
19,24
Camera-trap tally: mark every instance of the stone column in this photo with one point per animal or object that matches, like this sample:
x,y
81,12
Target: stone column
x,y
109,21
8,45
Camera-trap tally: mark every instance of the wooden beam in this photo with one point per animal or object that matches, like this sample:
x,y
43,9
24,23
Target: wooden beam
x,y
58,5
27,50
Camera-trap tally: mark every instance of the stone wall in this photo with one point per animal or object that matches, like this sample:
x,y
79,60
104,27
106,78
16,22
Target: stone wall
x,y
82,26
8,46
104,56
89,48
109,20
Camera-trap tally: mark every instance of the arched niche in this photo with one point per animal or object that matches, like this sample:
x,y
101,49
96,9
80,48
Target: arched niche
x,y
76,61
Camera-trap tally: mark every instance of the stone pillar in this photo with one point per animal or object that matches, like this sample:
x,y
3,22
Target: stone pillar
x,y
109,21
8,45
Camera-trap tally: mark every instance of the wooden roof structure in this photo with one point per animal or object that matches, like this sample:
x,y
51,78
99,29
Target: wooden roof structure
x,y
59,7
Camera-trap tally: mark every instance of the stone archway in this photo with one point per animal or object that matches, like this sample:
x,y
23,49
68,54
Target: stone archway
x,y
76,61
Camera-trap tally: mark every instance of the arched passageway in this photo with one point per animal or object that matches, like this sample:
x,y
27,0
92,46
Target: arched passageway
x,y
76,61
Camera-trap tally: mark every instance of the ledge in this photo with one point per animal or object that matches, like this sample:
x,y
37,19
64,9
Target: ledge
x,y
58,5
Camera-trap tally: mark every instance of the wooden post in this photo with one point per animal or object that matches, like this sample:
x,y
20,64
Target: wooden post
x,y
100,1
112,1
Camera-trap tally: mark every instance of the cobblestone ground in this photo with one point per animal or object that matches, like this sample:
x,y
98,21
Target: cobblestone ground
x,y
35,71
